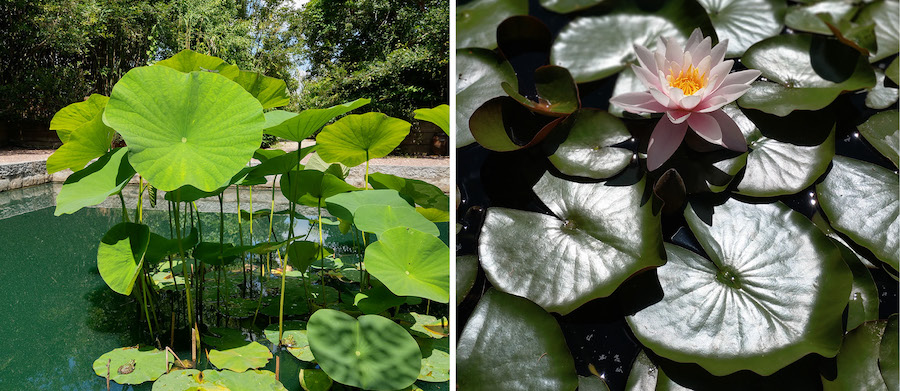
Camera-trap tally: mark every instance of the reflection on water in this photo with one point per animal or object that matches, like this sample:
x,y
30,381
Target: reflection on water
x,y
57,315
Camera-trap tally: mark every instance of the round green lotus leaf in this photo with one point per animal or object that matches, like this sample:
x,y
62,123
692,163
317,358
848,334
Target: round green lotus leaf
x,y
224,338
297,127
293,337
882,130
742,317
242,358
369,352
481,74
421,325
439,115
806,17
557,94
121,254
411,263
303,253
132,365
776,167
566,6
435,367
210,380
344,205
466,272
315,380
189,61
195,128
861,201
356,138
71,117
588,58
510,343
310,187
377,299
92,185
799,80
477,21
885,14
379,218
744,22
857,363
269,91
881,96
589,150
599,235
419,192
888,357
87,141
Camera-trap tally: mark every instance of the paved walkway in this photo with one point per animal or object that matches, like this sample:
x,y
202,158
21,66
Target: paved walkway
x,y
23,167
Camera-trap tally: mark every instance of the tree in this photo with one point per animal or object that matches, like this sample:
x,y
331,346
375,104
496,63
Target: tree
x,y
394,52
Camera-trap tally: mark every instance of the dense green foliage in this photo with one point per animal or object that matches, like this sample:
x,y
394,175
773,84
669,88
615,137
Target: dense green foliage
x,y
394,52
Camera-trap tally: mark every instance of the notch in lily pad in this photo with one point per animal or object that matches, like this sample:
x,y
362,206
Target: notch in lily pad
x,y
557,93
504,125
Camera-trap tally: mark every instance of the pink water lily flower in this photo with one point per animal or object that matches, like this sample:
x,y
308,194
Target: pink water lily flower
x,y
690,85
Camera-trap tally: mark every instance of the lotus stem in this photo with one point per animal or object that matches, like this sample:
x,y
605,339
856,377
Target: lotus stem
x,y
237,192
124,211
187,278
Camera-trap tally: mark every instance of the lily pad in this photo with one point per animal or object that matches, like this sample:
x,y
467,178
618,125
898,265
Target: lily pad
x,y
311,187
210,380
303,253
420,192
439,115
590,150
481,73
857,363
591,383
794,83
863,305
196,129
189,61
510,343
805,17
775,167
293,337
411,263
357,138
344,205
435,367
881,96
121,254
861,201
477,21
380,218
224,338
566,6
92,185
599,235
250,356
421,325
269,91
315,380
885,14
132,365
741,288
71,117
377,299
370,352
557,94
744,22
297,127
887,358
588,58
882,130
466,272
893,71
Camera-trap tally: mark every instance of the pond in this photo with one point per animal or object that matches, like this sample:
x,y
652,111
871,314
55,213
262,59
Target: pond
x,y
59,316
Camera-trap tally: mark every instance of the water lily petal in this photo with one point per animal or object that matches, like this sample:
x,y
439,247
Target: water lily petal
x,y
719,73
678,116
712,103
673,51
702,50
645,58
742,77
706,127
664,140
691,101
694,40
662,98
729,93
638,102
646,77
732,138
718,53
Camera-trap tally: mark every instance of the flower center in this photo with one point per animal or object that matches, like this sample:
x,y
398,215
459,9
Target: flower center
x,y
689,80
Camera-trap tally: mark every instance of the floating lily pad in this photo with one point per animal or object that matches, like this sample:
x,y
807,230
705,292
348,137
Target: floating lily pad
x,y
196,129
591,383
189,61
421,325
863,305
744,22
380,218
600,234
589,150
794,82
370,352
882,130
224,338
885,14
888,357
250,356
857,363
435,367
881,96
132,365
504,125
439,115
741,288
121,255
566,6
861,201
92,185
477,21
411,263
420,192
210,380
315,380
805,17
377,299
643,375
466,272
893,71
269,91
356,138
557,94
293,337
344,205
510,343
775,167
434,215
588,58
297,127
481,73
71,117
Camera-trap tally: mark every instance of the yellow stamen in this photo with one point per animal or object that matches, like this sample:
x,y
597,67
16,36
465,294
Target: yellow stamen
x,y
689,81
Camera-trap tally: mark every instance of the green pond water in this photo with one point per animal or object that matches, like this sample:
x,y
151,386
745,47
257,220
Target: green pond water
x,y
57,315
